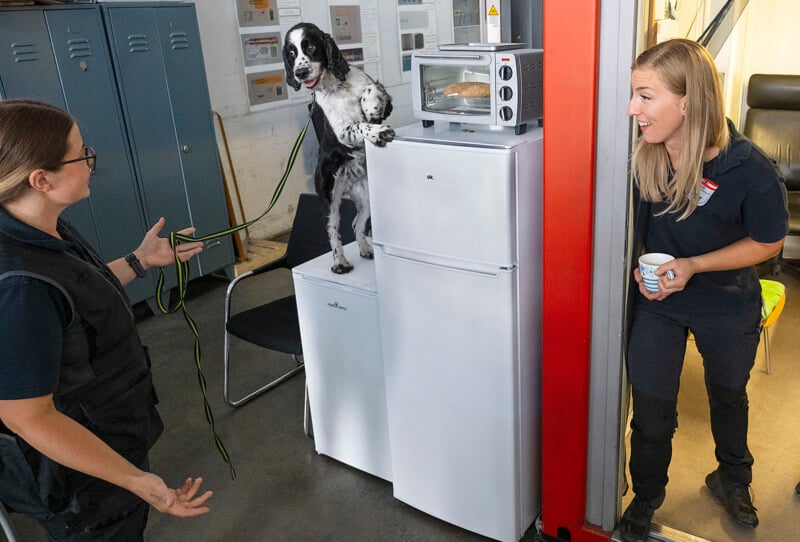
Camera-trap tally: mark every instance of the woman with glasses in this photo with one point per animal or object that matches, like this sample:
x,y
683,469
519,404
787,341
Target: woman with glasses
x,y
77,405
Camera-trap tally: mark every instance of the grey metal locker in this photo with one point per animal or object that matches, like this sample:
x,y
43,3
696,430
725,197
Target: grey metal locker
x,y
59,56
132,74
27,66
186,80
27,62
164,95
87,79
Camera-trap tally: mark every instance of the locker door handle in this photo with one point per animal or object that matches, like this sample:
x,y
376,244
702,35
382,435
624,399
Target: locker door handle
x,y
186,148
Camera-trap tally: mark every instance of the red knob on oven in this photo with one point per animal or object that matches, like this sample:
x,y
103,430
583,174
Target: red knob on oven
x,y
506,93
506,113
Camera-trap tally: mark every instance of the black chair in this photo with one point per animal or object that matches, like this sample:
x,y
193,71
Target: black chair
x,y
5,525
274,324
773,123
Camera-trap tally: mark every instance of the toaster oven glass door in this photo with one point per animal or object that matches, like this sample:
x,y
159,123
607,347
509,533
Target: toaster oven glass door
x,y
456,90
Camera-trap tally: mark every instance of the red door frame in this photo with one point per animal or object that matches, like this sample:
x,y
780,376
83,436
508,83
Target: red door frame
x,y
570,103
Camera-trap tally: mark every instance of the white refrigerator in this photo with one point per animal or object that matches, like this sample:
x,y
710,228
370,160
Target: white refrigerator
x,y
342,352
456,217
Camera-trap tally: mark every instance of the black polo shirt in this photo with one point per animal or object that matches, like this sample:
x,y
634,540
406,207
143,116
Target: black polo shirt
x,y
746,198
33,317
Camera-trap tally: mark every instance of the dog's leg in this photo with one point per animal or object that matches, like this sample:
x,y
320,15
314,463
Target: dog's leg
x,y
360,194
375,103
353,135
340,263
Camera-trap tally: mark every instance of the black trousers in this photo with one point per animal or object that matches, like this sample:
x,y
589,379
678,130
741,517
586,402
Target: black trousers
x,y
655,359
126,525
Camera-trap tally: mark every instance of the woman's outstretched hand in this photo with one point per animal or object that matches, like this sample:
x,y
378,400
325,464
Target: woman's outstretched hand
x,y
182,502
156,252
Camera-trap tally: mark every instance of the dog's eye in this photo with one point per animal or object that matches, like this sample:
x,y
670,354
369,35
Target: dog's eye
x,y
311,48
291,53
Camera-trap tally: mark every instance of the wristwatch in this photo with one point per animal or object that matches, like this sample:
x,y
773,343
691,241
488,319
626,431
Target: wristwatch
x,y
136,265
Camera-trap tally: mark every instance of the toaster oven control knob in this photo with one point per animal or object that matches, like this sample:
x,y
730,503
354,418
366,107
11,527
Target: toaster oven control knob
x,y
506,113
506,93
506,73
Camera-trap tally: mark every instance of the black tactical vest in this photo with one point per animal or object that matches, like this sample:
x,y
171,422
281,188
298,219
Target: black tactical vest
x,y
105,385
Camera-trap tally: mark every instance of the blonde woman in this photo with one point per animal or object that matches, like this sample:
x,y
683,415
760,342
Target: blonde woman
x,y
77,405
716,203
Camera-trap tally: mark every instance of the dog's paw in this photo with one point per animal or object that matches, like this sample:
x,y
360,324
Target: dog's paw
x,y
342,268
380,134
365,246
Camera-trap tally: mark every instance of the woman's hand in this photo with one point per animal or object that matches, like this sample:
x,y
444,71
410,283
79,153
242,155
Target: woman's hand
x,y
65,441
682,270
179,502
156,252
739,254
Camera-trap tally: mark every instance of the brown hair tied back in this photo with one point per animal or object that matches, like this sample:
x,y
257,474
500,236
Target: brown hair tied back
x,y
32,135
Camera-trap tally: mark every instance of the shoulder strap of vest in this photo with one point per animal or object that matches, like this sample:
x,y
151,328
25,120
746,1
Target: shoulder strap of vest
x,y
48,280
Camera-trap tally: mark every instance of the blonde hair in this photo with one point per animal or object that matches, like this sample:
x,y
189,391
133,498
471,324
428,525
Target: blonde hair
x,y
686,69
32,135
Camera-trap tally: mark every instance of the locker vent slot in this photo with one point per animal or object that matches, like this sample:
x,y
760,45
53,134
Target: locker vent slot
x,y
178,40
79,48
24,52
138,43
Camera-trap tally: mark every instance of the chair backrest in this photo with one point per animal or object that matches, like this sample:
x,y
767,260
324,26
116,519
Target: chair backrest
x,y
6,525
773,299
773,121
309,236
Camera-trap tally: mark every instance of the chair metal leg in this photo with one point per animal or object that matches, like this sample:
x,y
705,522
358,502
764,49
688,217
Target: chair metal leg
x,y
308,427
790,267
5,524
767,367
255,393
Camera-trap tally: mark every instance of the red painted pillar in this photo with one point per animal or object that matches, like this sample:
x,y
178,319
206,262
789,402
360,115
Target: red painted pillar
x,y
570,103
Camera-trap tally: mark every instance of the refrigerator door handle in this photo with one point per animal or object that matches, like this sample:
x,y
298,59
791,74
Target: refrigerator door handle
x,y
477,268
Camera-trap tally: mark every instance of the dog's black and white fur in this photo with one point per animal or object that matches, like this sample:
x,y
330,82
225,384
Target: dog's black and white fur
x,y
354,106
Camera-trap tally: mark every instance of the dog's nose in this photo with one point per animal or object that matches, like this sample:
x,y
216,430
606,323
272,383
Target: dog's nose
x,y
302,73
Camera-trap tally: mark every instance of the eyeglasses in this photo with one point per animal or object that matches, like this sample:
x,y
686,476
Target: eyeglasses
x,y
89,155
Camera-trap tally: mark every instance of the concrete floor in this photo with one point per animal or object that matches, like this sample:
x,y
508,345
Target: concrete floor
x,y
284,490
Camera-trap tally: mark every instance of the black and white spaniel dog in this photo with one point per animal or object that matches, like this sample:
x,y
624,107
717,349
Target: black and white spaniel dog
x,y
353,106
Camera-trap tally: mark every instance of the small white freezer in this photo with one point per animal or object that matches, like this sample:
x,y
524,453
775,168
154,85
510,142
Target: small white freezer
x,y
344,368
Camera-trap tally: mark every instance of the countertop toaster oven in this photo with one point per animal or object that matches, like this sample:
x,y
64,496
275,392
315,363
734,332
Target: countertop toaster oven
x,y
496,84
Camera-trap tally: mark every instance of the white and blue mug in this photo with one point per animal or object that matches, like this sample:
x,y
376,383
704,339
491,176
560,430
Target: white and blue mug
x,y
648,263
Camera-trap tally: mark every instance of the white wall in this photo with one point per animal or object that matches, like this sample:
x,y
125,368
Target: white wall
x,y
260,142
767,42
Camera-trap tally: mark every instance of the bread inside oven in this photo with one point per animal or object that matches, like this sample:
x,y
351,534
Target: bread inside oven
x,y
467,89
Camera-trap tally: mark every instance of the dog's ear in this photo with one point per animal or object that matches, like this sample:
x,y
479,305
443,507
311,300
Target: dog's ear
x,y
288,63
337,64
388,109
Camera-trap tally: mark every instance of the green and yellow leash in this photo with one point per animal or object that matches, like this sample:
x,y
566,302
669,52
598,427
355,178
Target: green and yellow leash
x,y
183,279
